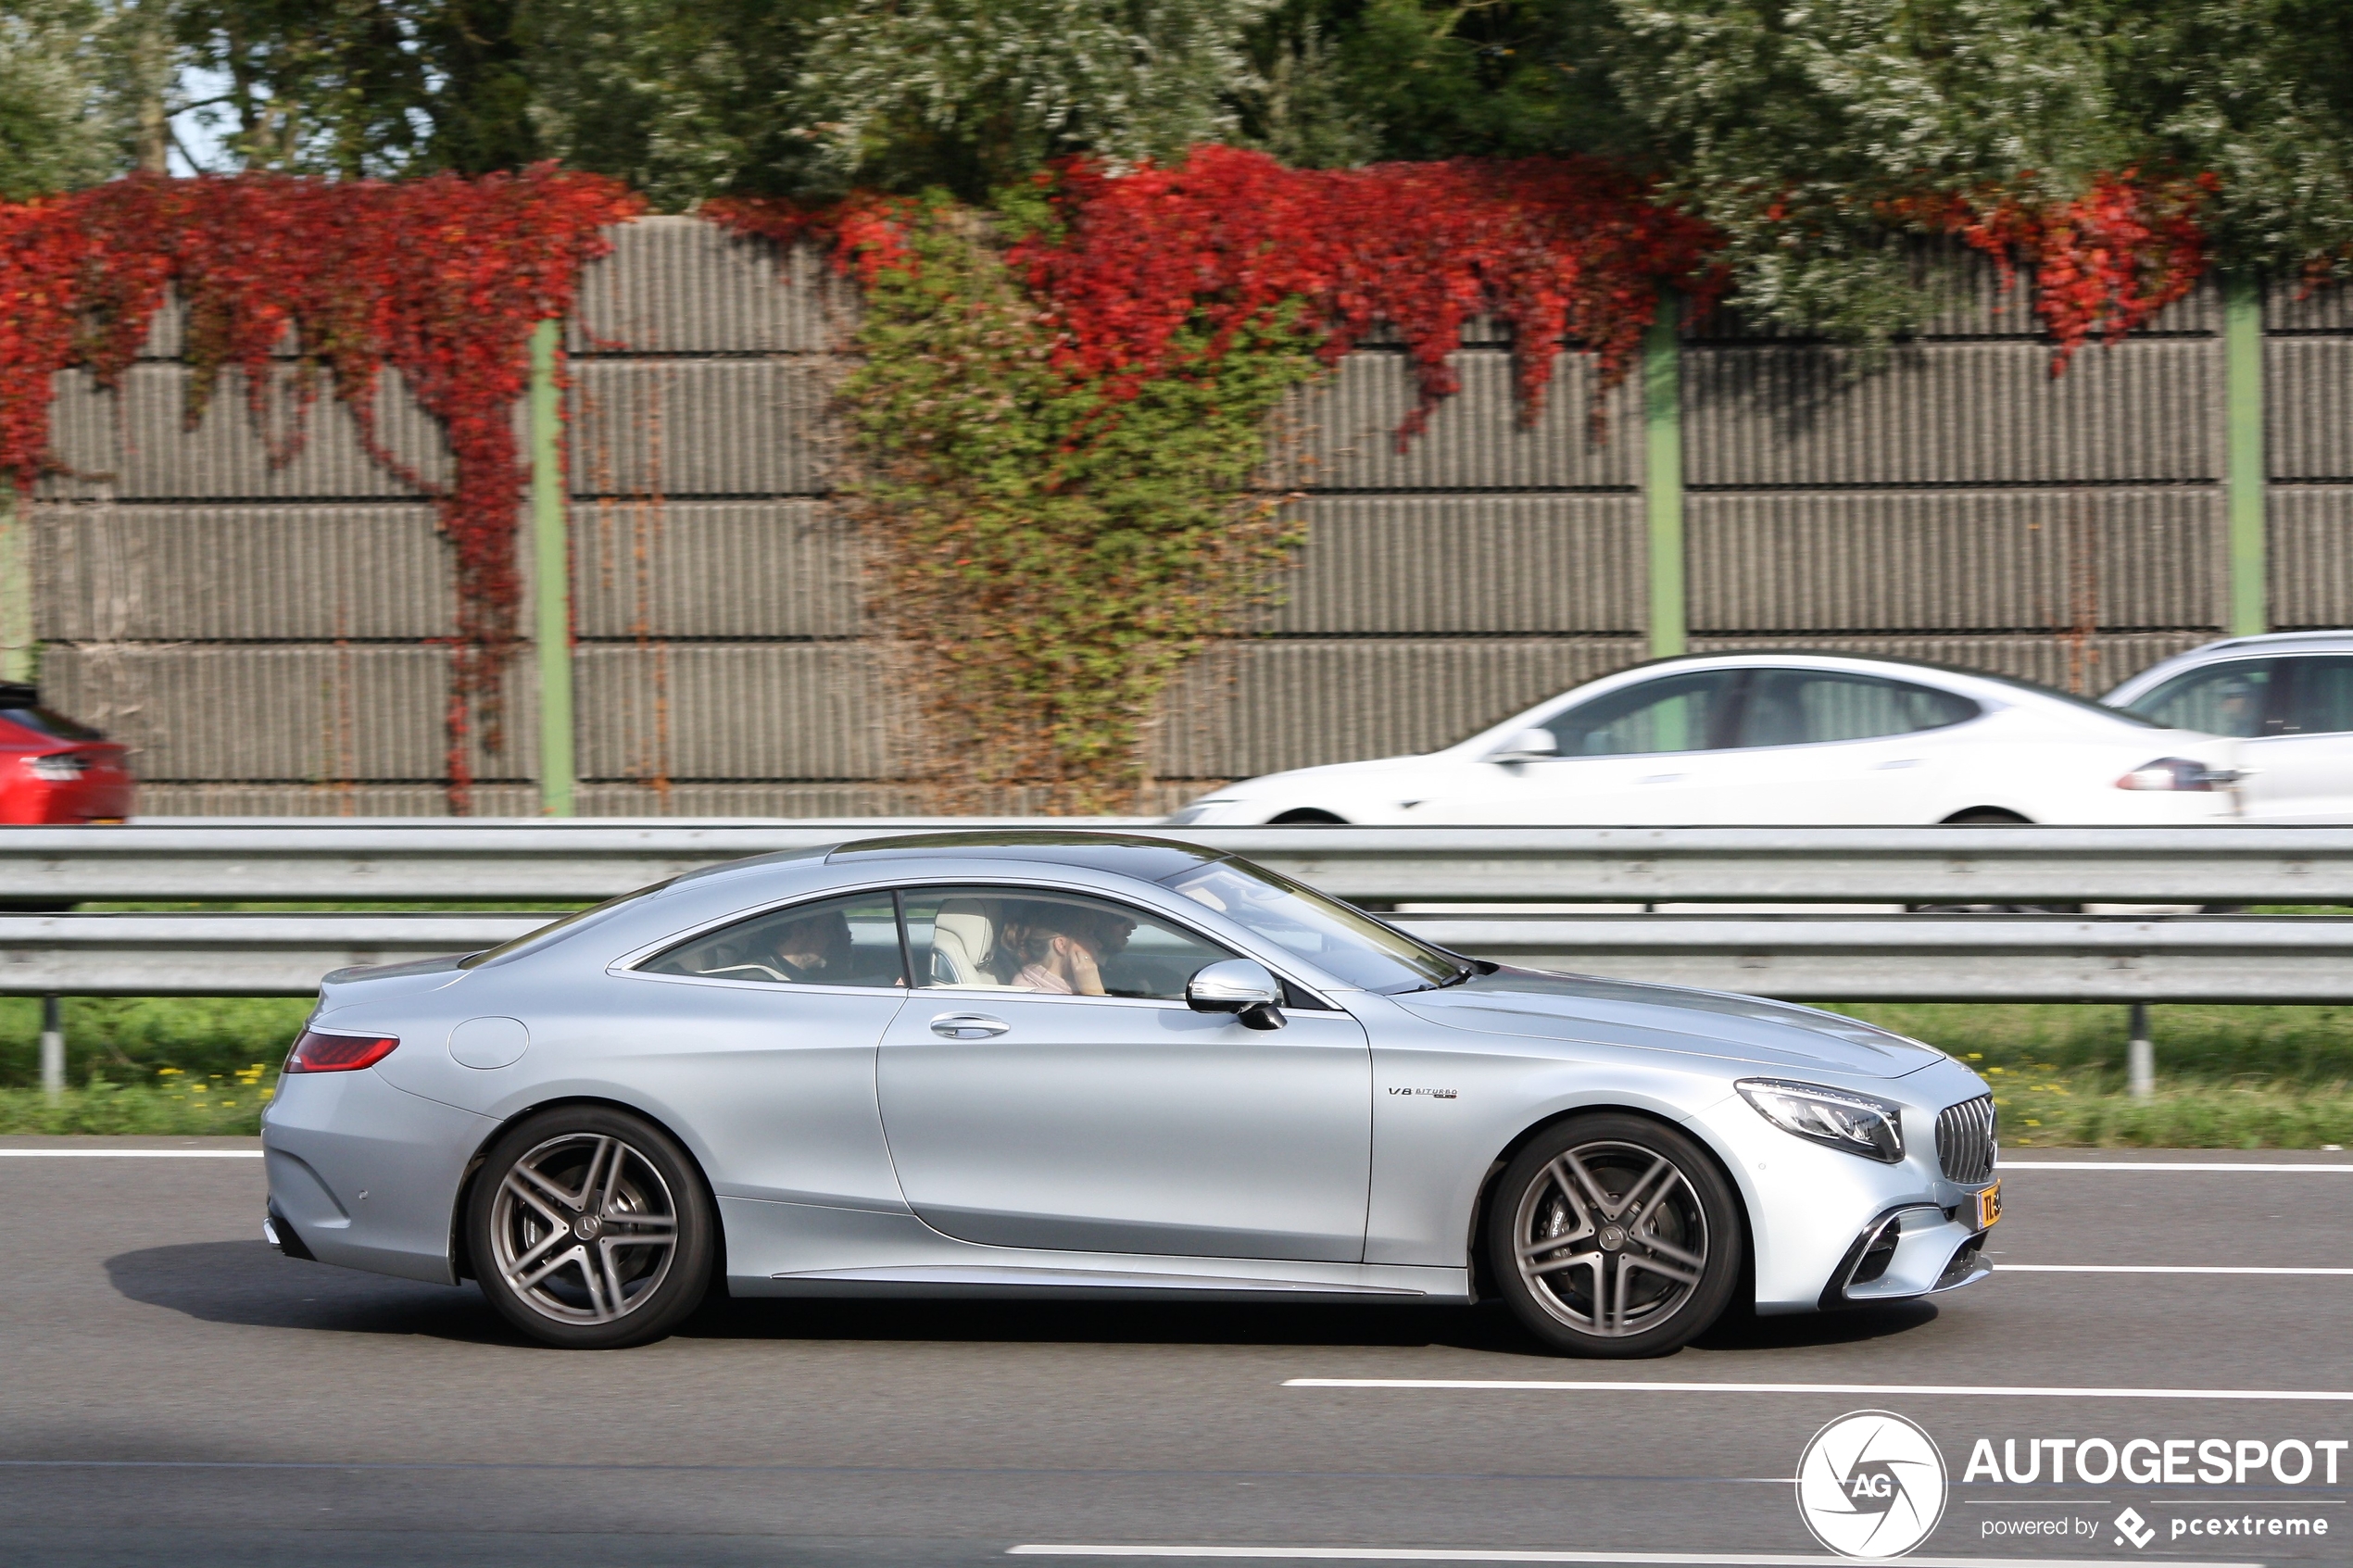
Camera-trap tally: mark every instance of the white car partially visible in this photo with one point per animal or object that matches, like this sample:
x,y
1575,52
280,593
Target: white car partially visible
x,y
2287,697
1772,739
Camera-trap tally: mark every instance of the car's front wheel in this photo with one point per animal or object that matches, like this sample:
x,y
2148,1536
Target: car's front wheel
x,y
590,1229
1612,1234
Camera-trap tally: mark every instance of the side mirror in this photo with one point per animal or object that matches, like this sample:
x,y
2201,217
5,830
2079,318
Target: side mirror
x,y
1239,987
1527,745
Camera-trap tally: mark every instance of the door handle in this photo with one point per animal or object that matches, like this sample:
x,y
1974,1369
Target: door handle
x,y
1665,778
1902,762
967,1026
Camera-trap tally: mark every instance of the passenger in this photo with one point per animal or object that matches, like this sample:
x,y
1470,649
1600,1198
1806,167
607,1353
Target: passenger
x,y
1061,947
813,949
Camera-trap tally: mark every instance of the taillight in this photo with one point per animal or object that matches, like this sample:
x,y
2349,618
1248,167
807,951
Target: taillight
x,y
337,1053
2176,772
58,767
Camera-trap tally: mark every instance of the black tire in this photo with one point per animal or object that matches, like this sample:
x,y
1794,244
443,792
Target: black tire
x,y
1307,817
1662,1227
635,1255
1986,817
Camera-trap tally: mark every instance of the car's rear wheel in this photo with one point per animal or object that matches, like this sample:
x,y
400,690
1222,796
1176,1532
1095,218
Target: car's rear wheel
x,y
1307,817
590,1229
1615,1235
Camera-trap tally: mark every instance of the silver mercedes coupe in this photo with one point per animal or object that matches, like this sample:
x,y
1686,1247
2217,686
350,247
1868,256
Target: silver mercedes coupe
x,y
1038,1063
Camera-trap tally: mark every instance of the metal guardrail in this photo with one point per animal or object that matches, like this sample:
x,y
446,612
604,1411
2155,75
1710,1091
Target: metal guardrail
x,y
485,859
237,955
1926,957
1804,957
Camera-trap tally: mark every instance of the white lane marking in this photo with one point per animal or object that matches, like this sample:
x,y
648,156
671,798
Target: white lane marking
x,y
2149,1269
1451,1554
130,1154
2239,1166
1958,1390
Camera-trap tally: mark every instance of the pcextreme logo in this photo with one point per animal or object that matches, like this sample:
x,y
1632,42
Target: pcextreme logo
x,y
1872,1484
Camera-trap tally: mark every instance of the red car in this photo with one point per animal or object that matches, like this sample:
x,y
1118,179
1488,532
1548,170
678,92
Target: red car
x,y
53,769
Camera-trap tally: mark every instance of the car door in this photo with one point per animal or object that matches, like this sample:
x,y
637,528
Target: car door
x,y
1650,752
1840,748
2301,767
1124,1121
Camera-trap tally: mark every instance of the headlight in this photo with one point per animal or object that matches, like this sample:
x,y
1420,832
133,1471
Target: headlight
x,y
1857,1123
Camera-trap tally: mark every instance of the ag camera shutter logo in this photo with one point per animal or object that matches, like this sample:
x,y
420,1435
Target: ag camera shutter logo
x,y
1872,1484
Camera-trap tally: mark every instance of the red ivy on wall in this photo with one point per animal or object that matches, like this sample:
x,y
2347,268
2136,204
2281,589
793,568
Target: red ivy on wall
x,y
440,279
2104,263
1560,249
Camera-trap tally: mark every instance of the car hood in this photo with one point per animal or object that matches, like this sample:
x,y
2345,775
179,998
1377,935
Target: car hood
x,y
1773,1038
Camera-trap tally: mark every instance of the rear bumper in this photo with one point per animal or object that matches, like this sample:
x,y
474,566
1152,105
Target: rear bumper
x,y
365,1174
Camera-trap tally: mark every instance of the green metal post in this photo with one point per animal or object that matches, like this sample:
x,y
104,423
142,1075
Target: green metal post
x,y
16,585
1663,478
2244,467
552,578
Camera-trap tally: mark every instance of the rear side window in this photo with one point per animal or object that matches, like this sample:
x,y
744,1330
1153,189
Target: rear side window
x,y
50,722
1803,706
2320,696
2219,699
1673,713
851,941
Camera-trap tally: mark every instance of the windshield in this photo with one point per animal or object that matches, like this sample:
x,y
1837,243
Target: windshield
x,y
1342,943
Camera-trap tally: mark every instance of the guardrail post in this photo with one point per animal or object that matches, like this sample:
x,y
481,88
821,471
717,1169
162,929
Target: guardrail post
x,y
2140,1055
2244,463
53,1048
1663,476
552,578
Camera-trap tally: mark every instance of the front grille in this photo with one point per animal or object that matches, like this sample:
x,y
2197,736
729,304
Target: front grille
x,y
1964,1145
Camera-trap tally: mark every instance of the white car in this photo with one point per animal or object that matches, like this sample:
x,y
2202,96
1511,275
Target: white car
x,y
1770,739
2287,697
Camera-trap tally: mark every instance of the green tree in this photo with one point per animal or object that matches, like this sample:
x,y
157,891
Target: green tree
x,y
1794,123
682,101
53,125
967,94
353,87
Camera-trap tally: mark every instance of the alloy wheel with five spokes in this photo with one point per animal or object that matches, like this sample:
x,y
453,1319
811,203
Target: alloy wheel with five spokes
x,y
590,1229
1614,1235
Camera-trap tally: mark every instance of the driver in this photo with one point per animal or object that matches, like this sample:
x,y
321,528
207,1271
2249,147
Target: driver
x,y
1061,947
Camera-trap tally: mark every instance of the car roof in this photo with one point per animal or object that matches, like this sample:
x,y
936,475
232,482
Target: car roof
x,y
2269,640
1123,854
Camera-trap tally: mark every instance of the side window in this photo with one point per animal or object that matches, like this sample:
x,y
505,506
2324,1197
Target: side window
x,y
1803,706
1673,713
835,942
1015,939
2321,696
2220,699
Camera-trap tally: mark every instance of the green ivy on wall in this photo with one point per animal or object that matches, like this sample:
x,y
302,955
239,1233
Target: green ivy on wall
x,y
1050,553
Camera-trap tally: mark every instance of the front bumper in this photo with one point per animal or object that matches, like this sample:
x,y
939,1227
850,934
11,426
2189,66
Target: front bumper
x,y
1913,1251
1833,1229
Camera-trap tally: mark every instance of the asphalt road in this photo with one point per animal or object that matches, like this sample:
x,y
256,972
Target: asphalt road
x,y
172,1391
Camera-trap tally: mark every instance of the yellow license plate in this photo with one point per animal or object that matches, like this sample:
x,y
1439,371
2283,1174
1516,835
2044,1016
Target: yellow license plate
x,y
1989,1206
